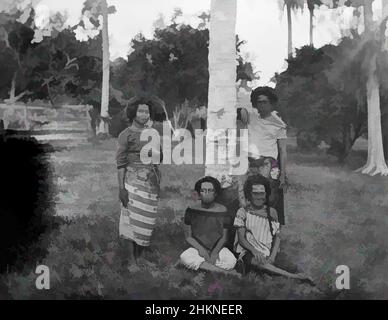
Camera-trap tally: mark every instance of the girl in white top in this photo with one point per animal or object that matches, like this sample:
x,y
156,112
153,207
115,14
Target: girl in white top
x,y
267,139
258,230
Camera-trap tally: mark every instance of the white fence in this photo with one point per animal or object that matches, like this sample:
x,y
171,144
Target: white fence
x,y
69,122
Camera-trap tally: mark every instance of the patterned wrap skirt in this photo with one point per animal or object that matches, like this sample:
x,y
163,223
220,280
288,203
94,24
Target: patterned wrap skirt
x,y
138,219
276,199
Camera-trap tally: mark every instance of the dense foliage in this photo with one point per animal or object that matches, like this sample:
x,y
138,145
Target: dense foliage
x,y
60,69
173,65
322,94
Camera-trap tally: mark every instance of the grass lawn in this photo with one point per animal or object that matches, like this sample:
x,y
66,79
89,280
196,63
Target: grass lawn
x,y
334,217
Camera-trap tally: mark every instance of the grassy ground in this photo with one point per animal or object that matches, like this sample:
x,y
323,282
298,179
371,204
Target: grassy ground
x,y
335,217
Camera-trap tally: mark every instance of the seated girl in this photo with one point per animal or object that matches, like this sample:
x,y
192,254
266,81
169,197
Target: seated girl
x,y
258,231
206,230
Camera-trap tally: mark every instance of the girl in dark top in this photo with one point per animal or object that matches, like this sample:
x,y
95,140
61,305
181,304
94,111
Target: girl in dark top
x,y
206,228
138,182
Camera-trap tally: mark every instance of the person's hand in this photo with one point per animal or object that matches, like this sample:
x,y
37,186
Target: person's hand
x,y
260,258
213,258
271,259
283,182
204,254
244,116
123,196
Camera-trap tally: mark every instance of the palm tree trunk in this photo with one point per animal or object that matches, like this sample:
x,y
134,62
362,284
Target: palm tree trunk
x,y
222,89
385,9
103,127
289,28
376,162
368,16
13,88
311,27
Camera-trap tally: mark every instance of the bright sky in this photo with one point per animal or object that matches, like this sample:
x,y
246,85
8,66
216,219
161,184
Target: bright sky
x,y
260,22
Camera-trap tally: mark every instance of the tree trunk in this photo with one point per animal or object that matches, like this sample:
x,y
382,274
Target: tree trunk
x,y
384,123
4,36
13,98
221,112
376,162
289,28
385,118
311,27
347,142
103,126
385,8
13,88
50,95
368,16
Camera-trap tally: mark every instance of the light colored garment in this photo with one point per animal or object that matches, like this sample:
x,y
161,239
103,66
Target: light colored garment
x,y
192,260
263,134
138,219
258,232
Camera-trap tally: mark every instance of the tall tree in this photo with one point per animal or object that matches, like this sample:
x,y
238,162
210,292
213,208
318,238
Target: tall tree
x,y
291,5
19,40
16,35
311,6
173,65
336,113
222,79
93,9
371,46
375,163
21,33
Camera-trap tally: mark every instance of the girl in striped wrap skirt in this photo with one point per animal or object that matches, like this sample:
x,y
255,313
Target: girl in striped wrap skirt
x,y
138,181
258,230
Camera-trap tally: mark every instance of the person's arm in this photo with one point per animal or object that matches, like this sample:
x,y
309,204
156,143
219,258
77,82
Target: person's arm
x,y
275,249
242,240
123,193
239,223
220,244
239,114
282,145
121,177
122,150
242,115
203,252
122,162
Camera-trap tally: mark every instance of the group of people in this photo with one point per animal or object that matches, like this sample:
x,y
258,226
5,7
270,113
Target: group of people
x,y
232,228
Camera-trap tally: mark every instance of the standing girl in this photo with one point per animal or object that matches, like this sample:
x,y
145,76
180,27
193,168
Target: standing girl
x,y
138,181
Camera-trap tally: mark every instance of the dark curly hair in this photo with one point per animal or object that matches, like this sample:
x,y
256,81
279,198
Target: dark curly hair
x,y
265,91
131,109
216,184
256,179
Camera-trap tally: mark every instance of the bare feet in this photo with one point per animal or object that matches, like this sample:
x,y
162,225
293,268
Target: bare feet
x,y
305,278
141,262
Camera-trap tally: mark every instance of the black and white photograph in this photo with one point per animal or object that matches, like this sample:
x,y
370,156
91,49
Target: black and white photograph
x,y
193,150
